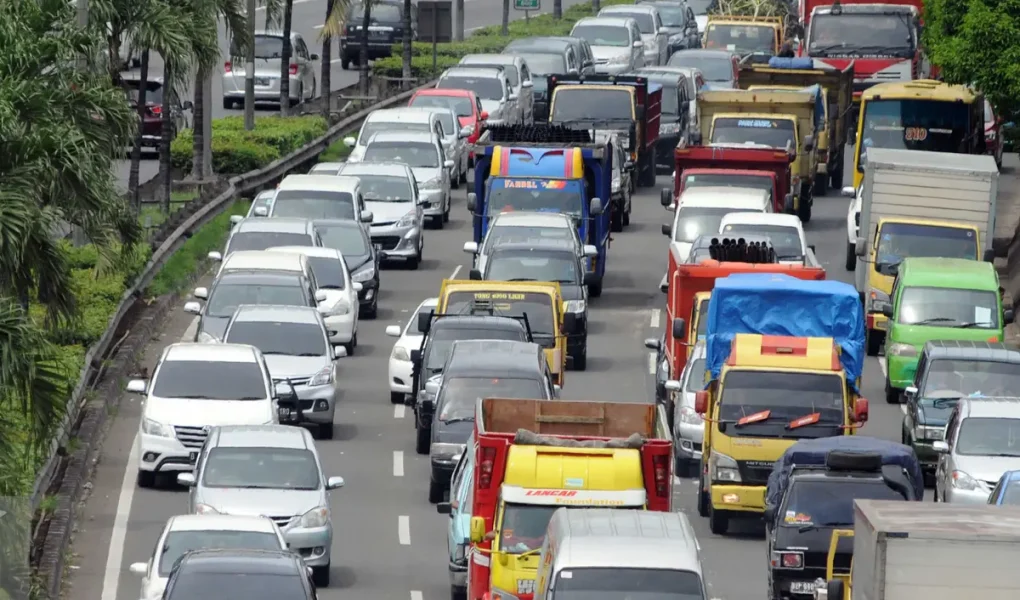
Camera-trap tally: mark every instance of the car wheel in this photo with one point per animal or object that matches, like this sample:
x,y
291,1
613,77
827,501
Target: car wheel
x,y
371,312
851,257
580,362
454,181
703,498
421,440
438,222
892,395
320,576
874,340
718,521
325,431
228,104
146,479
397,397
435,491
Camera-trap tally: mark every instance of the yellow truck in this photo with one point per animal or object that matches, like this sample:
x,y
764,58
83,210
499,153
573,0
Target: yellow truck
x,y
744,34
541,302
838,95
783,119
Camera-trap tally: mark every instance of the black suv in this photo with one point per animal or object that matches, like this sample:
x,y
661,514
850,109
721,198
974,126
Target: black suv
x,y
385,29
254,574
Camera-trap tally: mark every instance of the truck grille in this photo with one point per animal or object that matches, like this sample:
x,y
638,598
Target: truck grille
x,y
386,242
754,472
191,437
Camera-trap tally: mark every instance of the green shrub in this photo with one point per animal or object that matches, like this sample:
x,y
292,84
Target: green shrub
x,y
236,151
421,66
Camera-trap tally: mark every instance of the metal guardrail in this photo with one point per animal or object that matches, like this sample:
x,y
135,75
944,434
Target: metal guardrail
x,y
238,186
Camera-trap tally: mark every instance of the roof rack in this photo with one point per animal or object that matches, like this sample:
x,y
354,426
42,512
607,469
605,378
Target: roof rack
x,y
539,133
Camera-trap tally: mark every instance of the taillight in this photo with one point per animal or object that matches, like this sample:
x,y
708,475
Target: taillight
x,y
486,466
787,560
155,110
293,69
660,466
227,67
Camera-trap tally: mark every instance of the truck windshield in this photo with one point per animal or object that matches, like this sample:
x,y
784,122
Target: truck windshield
x,y
694,221
714,68
929,125
508,195
948,378
788,396
861,34
786,240
459,395
744,39
830,502
613,583
948,307
523,526
610,104
441,339
988,436
536,305
897,241
509,234
561,267
774,133
756,182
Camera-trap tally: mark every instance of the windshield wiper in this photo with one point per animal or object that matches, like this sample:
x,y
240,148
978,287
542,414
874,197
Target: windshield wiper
x,y
310,354
973,324
790,257
1004,455
193,397
933,320
757,417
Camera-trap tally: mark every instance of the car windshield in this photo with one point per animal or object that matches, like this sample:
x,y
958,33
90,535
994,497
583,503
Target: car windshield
x,y
670,101
544,64
413,154
785,240
695,221
307,204
830,502
586,105
770,401
948,307
775,133
379,12
206,585
755,182
696,380
744,39
289,339
523,526
178,543
509,234
264,240
897,241
460,104
458,395
226,296
613,583
947,378
645,22
603,35
561,267
374,127
486,88
383,188
536,305
329,272
1011,495
210,380
672,16
261,468
441,339
861,35
508,199
349,239
712,69
988,436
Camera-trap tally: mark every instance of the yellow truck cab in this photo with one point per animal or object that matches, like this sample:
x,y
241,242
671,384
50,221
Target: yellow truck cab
x,y
698,320
744,34
776,119
541,302
821,181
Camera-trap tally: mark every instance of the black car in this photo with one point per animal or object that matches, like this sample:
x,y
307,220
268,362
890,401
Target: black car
x,y
674,124
476,369
386,29
557,263
678,20
234,288
254,574
354,243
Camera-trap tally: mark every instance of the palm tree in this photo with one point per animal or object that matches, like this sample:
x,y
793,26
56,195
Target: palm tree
x,y
325,77
288,16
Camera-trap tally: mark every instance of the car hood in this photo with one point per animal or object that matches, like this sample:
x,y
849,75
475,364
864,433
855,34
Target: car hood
x,y
492,107
932,416
388,212
571,292
986,468
452,433
214,326
424,174
356,262
282,366
257,503
197,413
607,52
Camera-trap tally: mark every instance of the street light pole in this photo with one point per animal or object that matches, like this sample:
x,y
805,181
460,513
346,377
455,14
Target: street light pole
x,y
249,71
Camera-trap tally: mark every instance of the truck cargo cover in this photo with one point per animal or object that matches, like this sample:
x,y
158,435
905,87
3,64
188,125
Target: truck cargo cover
x,y
813,452
782,305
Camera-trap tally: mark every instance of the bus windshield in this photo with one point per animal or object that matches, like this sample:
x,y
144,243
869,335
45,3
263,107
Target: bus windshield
x,y
929,125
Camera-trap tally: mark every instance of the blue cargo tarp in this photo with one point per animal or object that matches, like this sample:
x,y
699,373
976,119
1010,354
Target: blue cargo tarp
x,y
813,453
777,304
782,62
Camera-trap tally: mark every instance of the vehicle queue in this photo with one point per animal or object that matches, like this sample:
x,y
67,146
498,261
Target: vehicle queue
x,y
758,370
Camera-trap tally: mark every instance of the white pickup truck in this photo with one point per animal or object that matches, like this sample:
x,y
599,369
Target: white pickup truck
x,y
784,231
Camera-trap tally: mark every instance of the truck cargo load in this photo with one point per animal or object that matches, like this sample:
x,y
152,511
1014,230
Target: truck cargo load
x,y
726,165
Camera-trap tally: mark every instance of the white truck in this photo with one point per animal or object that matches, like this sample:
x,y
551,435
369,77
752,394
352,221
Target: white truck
x,y
913,550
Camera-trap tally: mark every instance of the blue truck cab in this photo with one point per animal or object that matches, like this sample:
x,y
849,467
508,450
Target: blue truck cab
x,y
546,168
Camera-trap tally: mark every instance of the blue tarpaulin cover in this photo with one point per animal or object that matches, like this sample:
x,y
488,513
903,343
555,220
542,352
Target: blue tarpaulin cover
x,y
782,62
813,453
777,304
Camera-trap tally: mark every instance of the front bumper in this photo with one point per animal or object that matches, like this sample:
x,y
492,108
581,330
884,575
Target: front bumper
x,y
312,543
343,325
690,438
877,322
400,375
577,344
972,497
796,584
163,454
927,456
318,403
396,244
901,370
366,297
377,48
739,498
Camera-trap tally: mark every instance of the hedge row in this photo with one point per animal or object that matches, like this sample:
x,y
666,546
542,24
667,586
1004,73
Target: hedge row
x,y
487,40
236,151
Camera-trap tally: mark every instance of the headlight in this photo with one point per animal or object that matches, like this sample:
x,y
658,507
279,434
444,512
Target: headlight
x,y
876,296
934,434
400,353
157,429
205,509
687,415
323,377
407,220
668,128
619,60
208,338
616,184
963,481
317,517
365,274
446,450
723,468
901,350
575,306
432,184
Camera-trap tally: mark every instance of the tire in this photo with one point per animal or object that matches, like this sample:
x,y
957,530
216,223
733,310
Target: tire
x,y
851,257
446,214
804,210
616,220
325,431
647,176
439,222
350,346
397,397
345,62
718,521
458,593
874,342
703,498
836,178
892,395
463,176
435,491
422,439
371,312
146,479
626,210
455,182
821,185
595,290
580,363
228,104
320,576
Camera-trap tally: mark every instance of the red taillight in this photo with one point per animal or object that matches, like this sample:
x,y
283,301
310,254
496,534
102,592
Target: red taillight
x,y
227,67
660,465
293,69
486,466
156,110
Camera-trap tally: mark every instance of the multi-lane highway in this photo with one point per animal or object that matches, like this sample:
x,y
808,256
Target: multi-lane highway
x,y
390,543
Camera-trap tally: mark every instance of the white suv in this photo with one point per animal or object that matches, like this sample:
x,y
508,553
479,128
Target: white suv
x,y
195,387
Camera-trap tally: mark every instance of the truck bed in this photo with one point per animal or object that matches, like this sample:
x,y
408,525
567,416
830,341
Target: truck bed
x,y
716,102
573,419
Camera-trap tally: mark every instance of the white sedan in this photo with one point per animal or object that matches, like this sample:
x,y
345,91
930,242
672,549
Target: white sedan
x,y
853,225
408,339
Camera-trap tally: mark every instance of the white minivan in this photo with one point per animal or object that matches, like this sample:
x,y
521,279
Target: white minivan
x,y
701,210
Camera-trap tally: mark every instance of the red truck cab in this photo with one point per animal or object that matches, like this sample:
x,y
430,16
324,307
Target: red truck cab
x,y
759,168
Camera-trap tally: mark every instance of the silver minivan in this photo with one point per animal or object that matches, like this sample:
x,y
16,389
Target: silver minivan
x,y
268,51
516,69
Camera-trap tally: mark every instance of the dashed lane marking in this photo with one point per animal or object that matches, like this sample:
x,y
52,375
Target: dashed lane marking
x,y
656,314
416,595
404,530
455,271
398,411
651,363
398,463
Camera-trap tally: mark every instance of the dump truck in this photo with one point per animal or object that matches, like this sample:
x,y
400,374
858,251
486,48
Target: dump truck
x,y
546,168
628,105
781,120
534,456
744,34
758,168
795,74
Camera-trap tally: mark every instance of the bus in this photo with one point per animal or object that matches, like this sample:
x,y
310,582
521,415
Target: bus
x,y
919,115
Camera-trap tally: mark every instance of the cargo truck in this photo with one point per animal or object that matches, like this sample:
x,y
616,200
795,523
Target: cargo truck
x,y
757,168
919,204
532,457
546,168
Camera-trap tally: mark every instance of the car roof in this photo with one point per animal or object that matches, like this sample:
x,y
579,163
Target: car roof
x,y
628,8
255,277
641,539
722,197
867,9
532,219
257,313
490,59
557,42
194,351
972,351
276,225
459,71
402,136
552,246
610,21
1006,408
261,436
312,251
262,261
501,358
475,322
760,218
250,562
319,182
661,76
949,273
432,109
680,70
211,522
703,53
377,168
444,92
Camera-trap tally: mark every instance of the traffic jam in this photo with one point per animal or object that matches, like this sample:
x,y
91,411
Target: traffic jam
x,y
759,361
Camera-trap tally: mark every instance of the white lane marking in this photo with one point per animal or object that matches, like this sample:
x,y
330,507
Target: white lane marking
x,y
903,408
398,463
398,411
404,530
455,271
317,27
336,61
416,595
651,363
881,363
656,314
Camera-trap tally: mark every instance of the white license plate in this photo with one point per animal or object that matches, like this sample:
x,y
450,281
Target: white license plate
x,y
262,81
803,587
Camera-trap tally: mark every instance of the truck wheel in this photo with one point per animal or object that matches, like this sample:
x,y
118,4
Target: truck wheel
x,y
595,290
421,440
892,395
874,342
345,61
851,257
580,362
804,203
836,176
821,184
626,208
616,219
647,176
703,499
435,491
718,521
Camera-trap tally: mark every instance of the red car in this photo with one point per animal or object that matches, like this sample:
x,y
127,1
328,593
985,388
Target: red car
x,y
464,103
993,133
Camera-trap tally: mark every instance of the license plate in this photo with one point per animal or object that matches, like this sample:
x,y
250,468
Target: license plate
x,y
881,325
261,81
192,457
803,587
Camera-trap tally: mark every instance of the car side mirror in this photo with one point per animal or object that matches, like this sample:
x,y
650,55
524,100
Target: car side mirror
x,y
470,248
393,330
186,479
475,275
569,323
701,402
940,447
589,279
527,84
472,202
628,165
861,247
861,410
596,206
139,568
356,286
484,115
349,141
667,229
910,392
809,143
672,385
314,57
811,247
424,322
320,295
653,344
448,164
886,309
663,31
988,255
235,219
339,351
1007,316
679,328
590,251
770,513
334,483
193,308
639,44
261,211
512,98
444,508
666,197
137,386
214,256
367,216
848,191
201,293
466,132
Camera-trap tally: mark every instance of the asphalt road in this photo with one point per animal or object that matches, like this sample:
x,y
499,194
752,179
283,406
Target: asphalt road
x,y
308,18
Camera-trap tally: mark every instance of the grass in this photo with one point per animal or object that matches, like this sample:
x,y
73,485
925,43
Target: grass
x,y
151,215
337,151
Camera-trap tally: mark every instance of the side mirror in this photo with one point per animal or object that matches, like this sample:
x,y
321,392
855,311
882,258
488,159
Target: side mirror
x,y
470,248
667,229
137,386
320,295
701,402
590,251
849,191
475,275
672,385
811,247
653,344
188,105
349,141
186,479
770,514
444,508
477,529
339,351
988,255
393,330
484,115
261,211
201,293
569,323
639,44
861,410
886,309
214,256
663,31
596,206
193,308
940,447
139,568
472,202
527,84
416,356
314,57
356,286
589,279
1007,316
424,322
235,219
666,197
367,216
861,247
466,132
448,164
334,483
809,143
512,97
679,330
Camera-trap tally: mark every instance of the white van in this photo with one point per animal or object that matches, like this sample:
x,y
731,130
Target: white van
x,y
260,260
701,209
393,119
318,197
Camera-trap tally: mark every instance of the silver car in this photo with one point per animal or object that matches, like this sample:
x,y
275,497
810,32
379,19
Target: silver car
x,y
491,85
615,41
688,425
268,50
520,78
649,21
424,153
454,141
391,194
520,226
270,470
982,441
262,234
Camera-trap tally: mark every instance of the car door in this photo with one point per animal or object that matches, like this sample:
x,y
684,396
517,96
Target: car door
x,y
661,38
304,63
457,493
526,96
637,55
944,467
910,417
513,112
